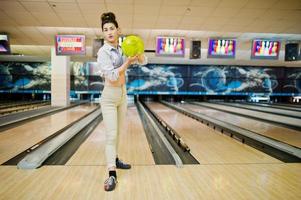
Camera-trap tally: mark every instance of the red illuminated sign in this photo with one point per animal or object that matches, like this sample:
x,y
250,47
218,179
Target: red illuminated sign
x,y
70,45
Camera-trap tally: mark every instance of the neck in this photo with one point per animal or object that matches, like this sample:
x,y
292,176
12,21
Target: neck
x,y
114,44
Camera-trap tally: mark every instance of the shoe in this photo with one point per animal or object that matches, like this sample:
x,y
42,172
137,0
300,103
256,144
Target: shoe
x,y
121,165
110,183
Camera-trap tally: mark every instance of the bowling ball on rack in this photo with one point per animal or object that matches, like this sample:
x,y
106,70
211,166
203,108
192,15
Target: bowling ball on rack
x,y
132,45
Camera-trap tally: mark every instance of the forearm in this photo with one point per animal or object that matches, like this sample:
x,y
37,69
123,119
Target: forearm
x,y
123,67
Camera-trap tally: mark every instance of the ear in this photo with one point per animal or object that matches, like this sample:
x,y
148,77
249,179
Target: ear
x,y
119,31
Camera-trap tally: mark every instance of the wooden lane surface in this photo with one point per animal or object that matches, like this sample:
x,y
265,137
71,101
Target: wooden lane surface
x,y
206,144
286,135
133,145
166,182
16,104
21,108
273,110
288,120
16,140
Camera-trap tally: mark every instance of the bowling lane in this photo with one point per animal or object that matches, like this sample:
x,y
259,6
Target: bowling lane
x,y
18,139
161,182
207,145
266,116
282,134
133,145
279,111
7,111
298,109
292,105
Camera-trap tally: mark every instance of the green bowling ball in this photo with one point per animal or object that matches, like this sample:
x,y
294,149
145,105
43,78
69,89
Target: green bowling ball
x,y
132,45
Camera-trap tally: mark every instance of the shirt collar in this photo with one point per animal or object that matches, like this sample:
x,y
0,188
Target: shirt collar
x,y
110,47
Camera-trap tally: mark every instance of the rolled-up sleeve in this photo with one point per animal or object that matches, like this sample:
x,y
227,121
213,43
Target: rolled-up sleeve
x,y
106,68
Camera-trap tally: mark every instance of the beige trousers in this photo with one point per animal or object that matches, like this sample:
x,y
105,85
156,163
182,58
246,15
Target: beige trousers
x,y
114,106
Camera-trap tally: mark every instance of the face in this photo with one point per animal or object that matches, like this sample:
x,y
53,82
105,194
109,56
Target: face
x,y
110,32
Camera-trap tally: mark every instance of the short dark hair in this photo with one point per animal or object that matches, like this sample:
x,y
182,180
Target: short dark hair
x,y
108,17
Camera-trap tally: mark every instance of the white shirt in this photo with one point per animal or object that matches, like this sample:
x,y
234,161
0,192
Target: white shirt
x,y
110,59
